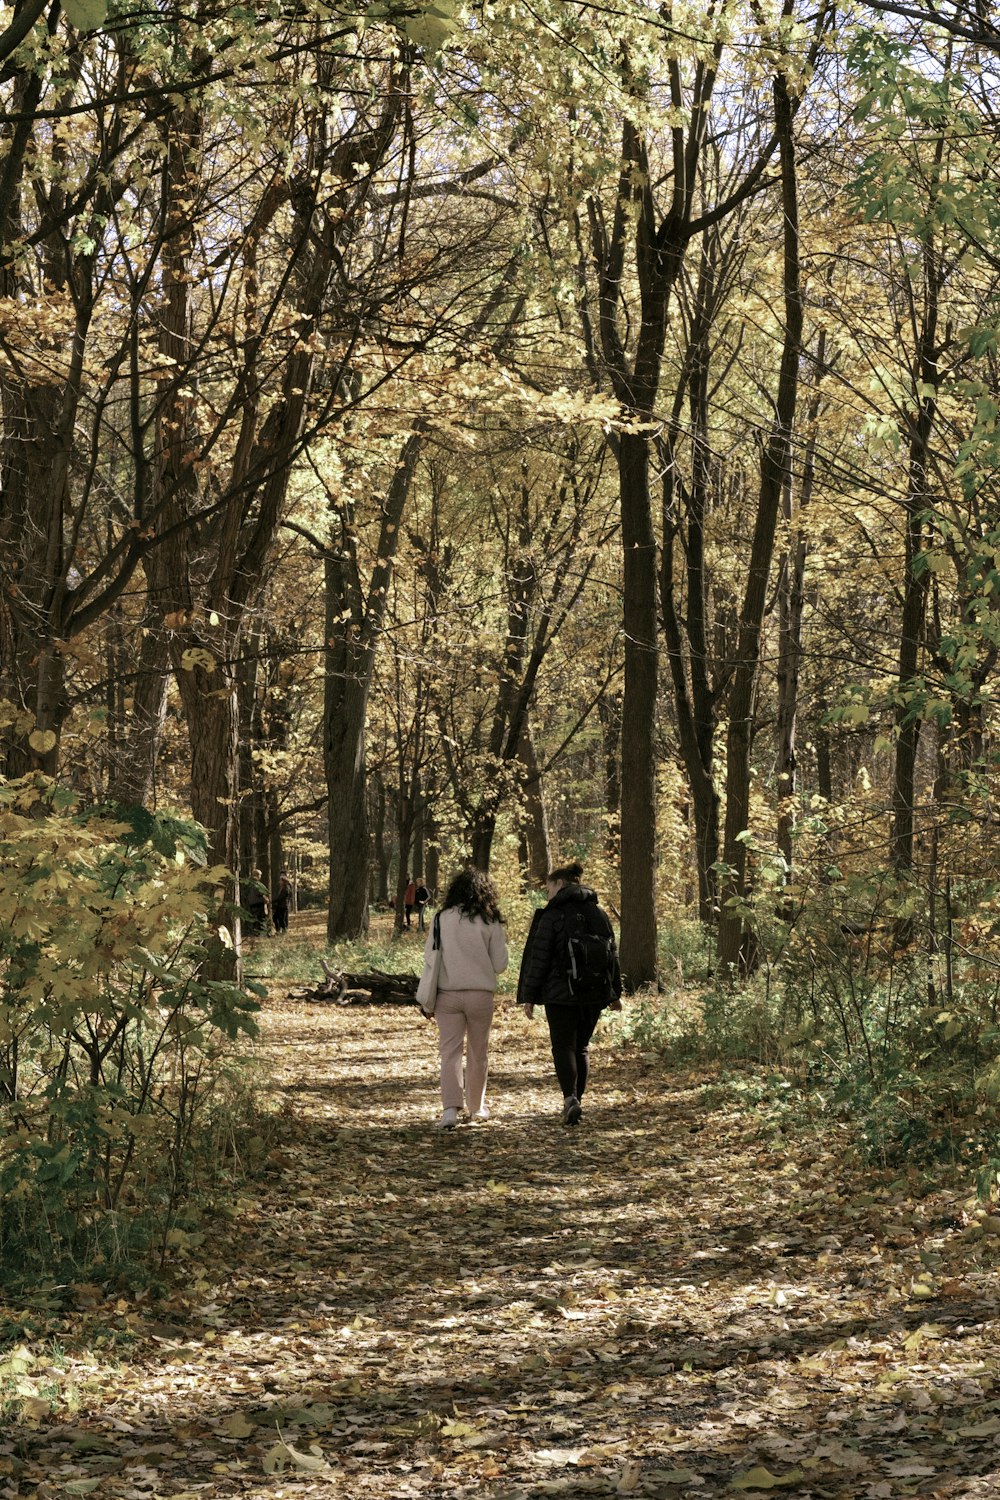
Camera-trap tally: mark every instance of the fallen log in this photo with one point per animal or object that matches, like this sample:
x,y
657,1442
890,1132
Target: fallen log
x,y
375,987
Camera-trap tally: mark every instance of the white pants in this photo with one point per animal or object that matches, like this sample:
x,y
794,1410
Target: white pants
x,y
464,1018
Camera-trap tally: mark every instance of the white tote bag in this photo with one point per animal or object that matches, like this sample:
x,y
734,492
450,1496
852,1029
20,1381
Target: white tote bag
x,y
427,989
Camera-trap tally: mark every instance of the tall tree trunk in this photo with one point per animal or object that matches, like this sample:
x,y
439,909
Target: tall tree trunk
x,y
481,841
251,738
610,709
132,776
824,753
212,716
213,720
632,350
638,809
39,416
934,942
275,846
915,579
907,718
406,821
432,876
695,711
735,943
536,853
262,841
419,826
695,696
353,627
380,878
264,452
344,746
791,603
791,606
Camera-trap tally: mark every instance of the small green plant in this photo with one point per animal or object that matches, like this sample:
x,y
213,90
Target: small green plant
x,y
667,1024
286,958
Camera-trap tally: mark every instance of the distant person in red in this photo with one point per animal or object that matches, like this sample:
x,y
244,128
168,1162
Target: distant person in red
x,y
409,899
281,904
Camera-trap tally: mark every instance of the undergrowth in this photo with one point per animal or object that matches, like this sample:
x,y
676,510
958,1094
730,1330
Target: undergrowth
x,y
297,956
128,1093
842,1023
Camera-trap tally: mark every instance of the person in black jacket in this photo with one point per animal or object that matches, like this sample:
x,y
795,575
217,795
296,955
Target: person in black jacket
x,y
549,976
282,904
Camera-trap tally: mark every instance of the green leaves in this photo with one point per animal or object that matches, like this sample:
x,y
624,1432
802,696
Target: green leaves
x,y
761,1478
108,1032
427,26
86,15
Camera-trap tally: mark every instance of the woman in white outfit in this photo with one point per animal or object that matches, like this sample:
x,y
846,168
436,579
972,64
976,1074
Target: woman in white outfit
x,y
473,953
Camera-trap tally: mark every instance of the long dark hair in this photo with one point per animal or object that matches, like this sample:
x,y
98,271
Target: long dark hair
x,y
475,895
570,873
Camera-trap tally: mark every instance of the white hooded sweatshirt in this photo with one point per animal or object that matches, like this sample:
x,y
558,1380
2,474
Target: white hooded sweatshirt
x,y
473,952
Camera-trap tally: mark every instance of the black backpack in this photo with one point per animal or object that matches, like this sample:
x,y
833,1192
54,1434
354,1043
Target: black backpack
x,y
590,954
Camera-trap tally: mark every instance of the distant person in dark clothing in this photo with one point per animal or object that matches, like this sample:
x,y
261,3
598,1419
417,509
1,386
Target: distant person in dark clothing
x,y
255,904
570,965
281,905
421,897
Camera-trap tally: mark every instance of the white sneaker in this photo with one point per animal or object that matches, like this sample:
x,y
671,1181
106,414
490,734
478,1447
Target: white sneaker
x,y
481,1114
448,1120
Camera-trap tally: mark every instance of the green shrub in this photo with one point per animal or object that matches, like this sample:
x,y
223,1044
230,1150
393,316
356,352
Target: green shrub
x,y
668,1024
116,1056
900,1039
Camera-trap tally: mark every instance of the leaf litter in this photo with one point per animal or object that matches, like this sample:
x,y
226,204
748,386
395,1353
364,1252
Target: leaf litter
x,y
666,1300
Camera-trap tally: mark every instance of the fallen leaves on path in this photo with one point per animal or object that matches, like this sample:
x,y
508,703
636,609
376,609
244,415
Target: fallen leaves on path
x,y
669,1300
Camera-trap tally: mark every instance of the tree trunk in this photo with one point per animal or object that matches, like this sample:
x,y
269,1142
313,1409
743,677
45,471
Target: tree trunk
x,y
419,827
432,878
38,430
275,847
214,735
694,698
638,809
353,627
791,607
406,818
132,778
536,853
610,709
686,612
262,841
344,716
824,754
790,610
380,882
735,942
911,636
481,842
250,738
934,942
926,378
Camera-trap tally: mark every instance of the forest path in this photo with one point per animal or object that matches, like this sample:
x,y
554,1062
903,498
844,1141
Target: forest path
x,y
669,1300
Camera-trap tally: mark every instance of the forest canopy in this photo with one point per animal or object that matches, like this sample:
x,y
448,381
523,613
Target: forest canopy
x,y
512,431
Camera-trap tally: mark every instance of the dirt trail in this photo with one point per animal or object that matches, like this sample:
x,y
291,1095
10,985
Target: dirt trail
x,y
666,1301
